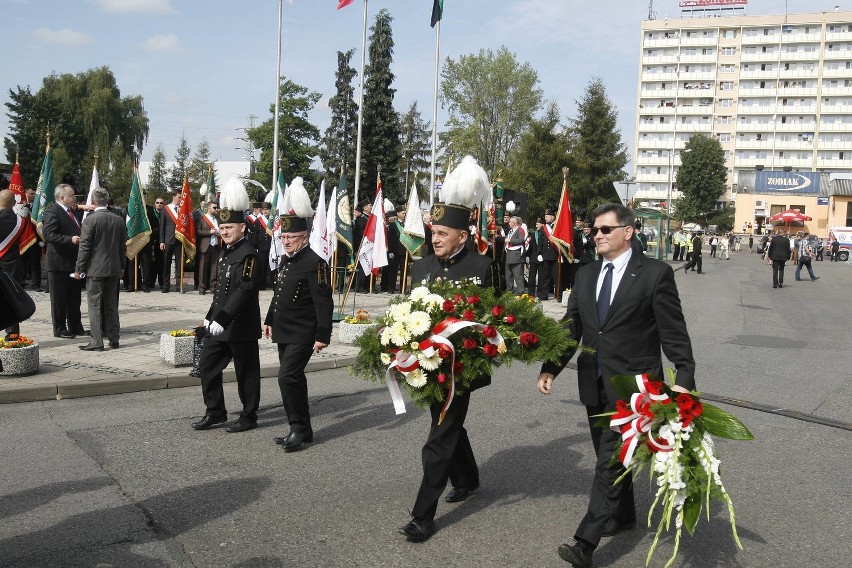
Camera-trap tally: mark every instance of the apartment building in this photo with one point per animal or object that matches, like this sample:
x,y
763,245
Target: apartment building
x,y
775,90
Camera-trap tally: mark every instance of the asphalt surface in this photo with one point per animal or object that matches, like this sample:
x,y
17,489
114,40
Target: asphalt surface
x,y
122,480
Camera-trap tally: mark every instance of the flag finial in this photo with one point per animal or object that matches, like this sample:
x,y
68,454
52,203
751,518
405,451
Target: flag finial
x,y
565,173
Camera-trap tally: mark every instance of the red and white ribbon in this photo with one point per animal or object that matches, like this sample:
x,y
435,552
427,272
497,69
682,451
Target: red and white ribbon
x,y
635,420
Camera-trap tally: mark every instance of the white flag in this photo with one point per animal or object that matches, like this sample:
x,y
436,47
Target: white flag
x,y
277,248
96,182
373,253
331,222
319,231
414,216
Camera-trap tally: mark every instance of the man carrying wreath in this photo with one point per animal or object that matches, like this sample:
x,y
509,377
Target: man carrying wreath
x,y
625,306
447,454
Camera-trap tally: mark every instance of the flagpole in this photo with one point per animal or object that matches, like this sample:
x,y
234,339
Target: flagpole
x,y
136,273
277,98
181,266
435,112
360,105
404,274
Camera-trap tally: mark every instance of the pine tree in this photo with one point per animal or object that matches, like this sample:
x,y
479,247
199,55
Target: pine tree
x,y
200,163
380,130
339,142
177,171
416,150
600,153
157,177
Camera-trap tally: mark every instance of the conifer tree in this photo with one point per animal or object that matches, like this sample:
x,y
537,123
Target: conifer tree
x,y
177,171
338,147
201,161
158,175
416,150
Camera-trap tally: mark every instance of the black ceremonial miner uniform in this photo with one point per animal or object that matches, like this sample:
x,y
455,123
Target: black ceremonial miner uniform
x,y
235,307
447,453
300,314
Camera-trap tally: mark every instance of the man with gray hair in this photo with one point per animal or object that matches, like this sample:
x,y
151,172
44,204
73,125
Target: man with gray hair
x,y
103,248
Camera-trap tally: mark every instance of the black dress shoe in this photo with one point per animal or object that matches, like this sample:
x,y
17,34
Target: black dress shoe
x,y
578,554
88,347
457,494
65,335
418,530
613,527
81,332
241,427
294,440
209,421
113,345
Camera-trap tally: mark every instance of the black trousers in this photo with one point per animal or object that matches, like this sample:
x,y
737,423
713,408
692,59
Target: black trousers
x,y
31,260
778,272
447,455
606,499
65,298
172,253
535,274
292,359
694,261
214,358
156,272
546,274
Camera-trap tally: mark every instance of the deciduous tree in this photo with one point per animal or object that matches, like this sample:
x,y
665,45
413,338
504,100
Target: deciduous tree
x,y
701,179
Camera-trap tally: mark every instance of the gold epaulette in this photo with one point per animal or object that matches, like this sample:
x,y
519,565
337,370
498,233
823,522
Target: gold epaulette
x,y
248,268
323,275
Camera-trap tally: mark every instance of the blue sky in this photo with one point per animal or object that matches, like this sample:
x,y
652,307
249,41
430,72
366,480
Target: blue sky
x,y
204,66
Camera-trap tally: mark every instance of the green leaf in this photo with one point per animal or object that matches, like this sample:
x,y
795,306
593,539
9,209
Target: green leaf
x,y
691,512
625,386
719,423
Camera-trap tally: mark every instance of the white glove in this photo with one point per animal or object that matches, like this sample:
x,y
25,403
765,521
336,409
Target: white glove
x,y
206,323
540,258
390,255
215,329
576,261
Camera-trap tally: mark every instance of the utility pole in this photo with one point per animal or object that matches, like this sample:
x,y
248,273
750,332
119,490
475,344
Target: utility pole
x,y
249,145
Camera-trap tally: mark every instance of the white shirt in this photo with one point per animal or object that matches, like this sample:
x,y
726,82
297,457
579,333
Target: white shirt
x,y
618,266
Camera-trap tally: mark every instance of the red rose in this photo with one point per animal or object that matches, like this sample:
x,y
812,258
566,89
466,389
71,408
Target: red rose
x,y
469,343
448,306
444,352
458,367
468,315
489,331
473,300
510,319
497,311
490,349
528,339
441,378
458,298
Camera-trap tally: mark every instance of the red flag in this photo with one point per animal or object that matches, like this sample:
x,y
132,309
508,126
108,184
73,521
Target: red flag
x,y
563,227
27,237
373,253
343,3
185,226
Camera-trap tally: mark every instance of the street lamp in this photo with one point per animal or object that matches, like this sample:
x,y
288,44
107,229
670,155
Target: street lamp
x,y
623,189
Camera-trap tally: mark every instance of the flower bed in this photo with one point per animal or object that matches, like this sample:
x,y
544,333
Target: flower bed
x,y
19,356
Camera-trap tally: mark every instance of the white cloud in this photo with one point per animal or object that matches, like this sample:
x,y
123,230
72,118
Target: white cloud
x,y
168,42
65,36
183,103
151,7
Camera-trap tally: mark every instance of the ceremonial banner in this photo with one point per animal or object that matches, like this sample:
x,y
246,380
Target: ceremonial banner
x,y
413,234
373,253
27,237
138,227
331,223
437,12
44,190
277,248
96,182
185,225
563,227
344,216
343,3
319,237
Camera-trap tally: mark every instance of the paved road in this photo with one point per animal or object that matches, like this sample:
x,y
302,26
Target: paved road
x,y
122,480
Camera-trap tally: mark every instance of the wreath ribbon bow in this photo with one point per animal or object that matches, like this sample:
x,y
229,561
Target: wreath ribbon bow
x,y
634,421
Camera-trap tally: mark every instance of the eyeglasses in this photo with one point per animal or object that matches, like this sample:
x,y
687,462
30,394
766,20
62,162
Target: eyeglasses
x,y
291,237
606,229
159,203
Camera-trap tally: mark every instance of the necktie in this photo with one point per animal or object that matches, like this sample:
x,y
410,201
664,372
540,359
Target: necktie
x,y
73,218
605,294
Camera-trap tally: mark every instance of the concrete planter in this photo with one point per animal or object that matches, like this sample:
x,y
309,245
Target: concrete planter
x,y
177,351
20,361
349,332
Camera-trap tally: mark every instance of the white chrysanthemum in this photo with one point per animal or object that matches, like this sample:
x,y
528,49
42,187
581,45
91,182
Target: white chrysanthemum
x,y
433,300
386,358
385,336
399,335
429,363
418,323
416,378
399,311
419,293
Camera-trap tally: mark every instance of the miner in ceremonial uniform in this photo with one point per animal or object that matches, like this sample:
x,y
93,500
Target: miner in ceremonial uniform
x,y
233,321
447,454
299,317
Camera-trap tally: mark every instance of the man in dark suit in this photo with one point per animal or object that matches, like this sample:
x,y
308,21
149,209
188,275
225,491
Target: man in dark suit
x,y
534,259
549,255
362,214
514,256
447,453
207,240
396,254
778,254
61,229
169,243
103,250
155,217
625,307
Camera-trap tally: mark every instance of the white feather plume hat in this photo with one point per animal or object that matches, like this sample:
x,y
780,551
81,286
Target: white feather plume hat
x,y
297,206
233,201
466,188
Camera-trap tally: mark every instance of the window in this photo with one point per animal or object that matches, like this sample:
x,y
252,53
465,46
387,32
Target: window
x,y
729,33
729,51
728,68
775,209
801,208
724,137
724,120
726,86
726,103
849,214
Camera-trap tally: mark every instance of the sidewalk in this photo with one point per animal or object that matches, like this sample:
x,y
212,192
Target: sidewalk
x,y
67,372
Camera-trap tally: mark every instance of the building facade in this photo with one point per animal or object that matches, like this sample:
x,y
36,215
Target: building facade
x,y
775,90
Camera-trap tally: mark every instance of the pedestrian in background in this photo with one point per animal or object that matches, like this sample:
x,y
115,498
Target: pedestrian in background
x,y
806,254
778,254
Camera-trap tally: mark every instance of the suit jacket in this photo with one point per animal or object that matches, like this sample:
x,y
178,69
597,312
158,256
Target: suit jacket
x,y
779,249
8,224
235,303
167,227
515,240
548,249
202,235
103,245
58,228
645,315
154,221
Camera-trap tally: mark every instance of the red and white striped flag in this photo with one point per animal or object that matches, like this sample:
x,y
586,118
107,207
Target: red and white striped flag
x,y
373,253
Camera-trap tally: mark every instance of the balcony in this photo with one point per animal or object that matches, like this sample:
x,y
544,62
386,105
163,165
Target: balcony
x,y
800,145
837,73
757,109
659,77
801,38
698,58
659,59
761,39
839,54
834,145
765,92
699,40
661,42
797,91
695,110
758,57
800,56
796,127
656,144
835,127
753,144
755,127
697,75
652,161
797,73
695,93
658,93
656,110
834,163
829,91
655,127
695,127
831,37
652,178
758,74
